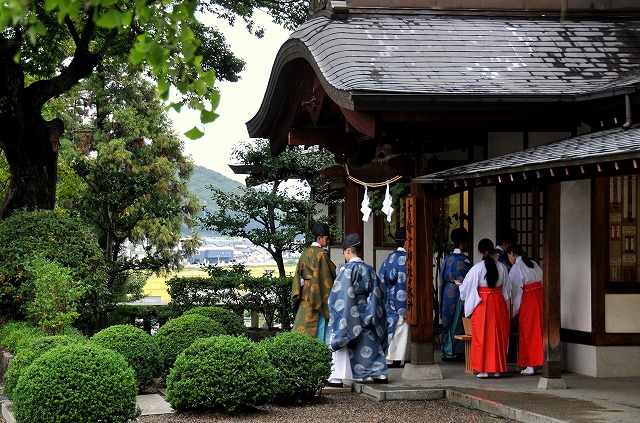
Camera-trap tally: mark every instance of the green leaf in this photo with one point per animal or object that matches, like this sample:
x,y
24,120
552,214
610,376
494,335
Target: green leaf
x,y
215,99
137,55
163,88
176,106
207,117
194,133
156,55
110,19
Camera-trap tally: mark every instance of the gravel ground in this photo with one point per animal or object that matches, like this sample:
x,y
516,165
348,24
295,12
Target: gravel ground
x,y
341,407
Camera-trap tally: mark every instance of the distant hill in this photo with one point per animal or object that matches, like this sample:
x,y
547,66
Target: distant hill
x,y
202,178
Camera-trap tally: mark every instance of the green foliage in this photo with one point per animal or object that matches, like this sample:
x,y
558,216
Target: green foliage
x,y
30,351
271,297
303,364
232,323
280,212
234,289
162,39
134,174
15,334
55,295
177,334
222,372
222,287
56,236
77,383
137,347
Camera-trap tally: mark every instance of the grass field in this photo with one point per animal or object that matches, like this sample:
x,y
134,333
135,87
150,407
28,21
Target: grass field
x,y
157,286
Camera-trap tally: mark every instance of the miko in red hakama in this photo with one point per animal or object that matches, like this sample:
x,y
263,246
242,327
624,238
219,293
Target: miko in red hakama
x,y
530,352
490,331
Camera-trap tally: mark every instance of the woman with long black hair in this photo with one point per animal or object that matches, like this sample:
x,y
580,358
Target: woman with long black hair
x,y
526,299
486,290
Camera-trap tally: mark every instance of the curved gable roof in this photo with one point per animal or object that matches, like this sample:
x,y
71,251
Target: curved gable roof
x,y
374,61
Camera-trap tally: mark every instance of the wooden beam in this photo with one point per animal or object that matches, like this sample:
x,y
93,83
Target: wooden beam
x,y
599,255
422,345
365,123
353,218
551,288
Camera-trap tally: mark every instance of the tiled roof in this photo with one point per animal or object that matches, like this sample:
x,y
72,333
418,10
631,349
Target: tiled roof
x,y
595,147
479,56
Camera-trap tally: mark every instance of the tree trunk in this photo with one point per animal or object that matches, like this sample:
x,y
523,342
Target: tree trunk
x,y
280,263
33,159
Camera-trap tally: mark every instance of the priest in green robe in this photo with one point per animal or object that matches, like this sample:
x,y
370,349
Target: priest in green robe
x,y
312,283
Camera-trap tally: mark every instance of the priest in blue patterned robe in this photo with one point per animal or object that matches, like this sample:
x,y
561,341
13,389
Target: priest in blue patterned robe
x,y
455,268
393,274
357,324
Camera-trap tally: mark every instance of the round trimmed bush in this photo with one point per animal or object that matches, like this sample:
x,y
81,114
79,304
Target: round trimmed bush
x,y
222,372
232,323
137,347
15,334
32,349
77,383
177,334
303,364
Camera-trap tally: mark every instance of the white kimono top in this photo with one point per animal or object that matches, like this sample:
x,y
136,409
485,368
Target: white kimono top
x,y
475,278
522,275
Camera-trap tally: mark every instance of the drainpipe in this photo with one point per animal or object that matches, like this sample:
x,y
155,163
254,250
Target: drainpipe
x,y
627,106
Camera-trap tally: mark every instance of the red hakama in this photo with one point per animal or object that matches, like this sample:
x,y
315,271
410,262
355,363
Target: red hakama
x,y
530,353
490,332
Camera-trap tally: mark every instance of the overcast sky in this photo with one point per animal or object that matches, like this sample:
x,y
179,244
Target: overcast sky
x,y
239,101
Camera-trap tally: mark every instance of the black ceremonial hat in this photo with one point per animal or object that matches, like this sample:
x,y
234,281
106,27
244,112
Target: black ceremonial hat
x,y
401,234
350,240
320,229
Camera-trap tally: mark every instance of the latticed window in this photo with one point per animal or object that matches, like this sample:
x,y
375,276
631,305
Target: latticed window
x,y
623,229
526,217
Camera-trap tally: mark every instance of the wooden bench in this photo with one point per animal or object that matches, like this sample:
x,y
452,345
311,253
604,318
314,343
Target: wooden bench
x,y
467,352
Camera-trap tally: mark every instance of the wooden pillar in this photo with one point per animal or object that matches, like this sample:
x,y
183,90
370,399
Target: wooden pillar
x,y
421,249
353,217
551,288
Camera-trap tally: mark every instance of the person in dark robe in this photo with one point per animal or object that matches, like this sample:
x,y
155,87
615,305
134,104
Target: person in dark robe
x,y
393,274
454,269
358,322
312,283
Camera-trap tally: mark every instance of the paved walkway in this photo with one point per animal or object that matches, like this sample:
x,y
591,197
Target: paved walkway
x,y
584,400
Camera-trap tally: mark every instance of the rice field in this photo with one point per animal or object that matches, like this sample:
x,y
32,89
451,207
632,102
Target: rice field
x,y
157,286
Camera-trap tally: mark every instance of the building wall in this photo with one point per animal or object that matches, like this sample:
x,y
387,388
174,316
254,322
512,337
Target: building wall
x,y
601,361
622,314
368,241
501,143
381,255
483,218
575,255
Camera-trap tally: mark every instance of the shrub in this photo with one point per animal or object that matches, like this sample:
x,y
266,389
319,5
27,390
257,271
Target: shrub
x,y
58,236
77,383
55,295
271,297
15,334
177,334
32,349
221,287
303,364
138,347
223,372
232,323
